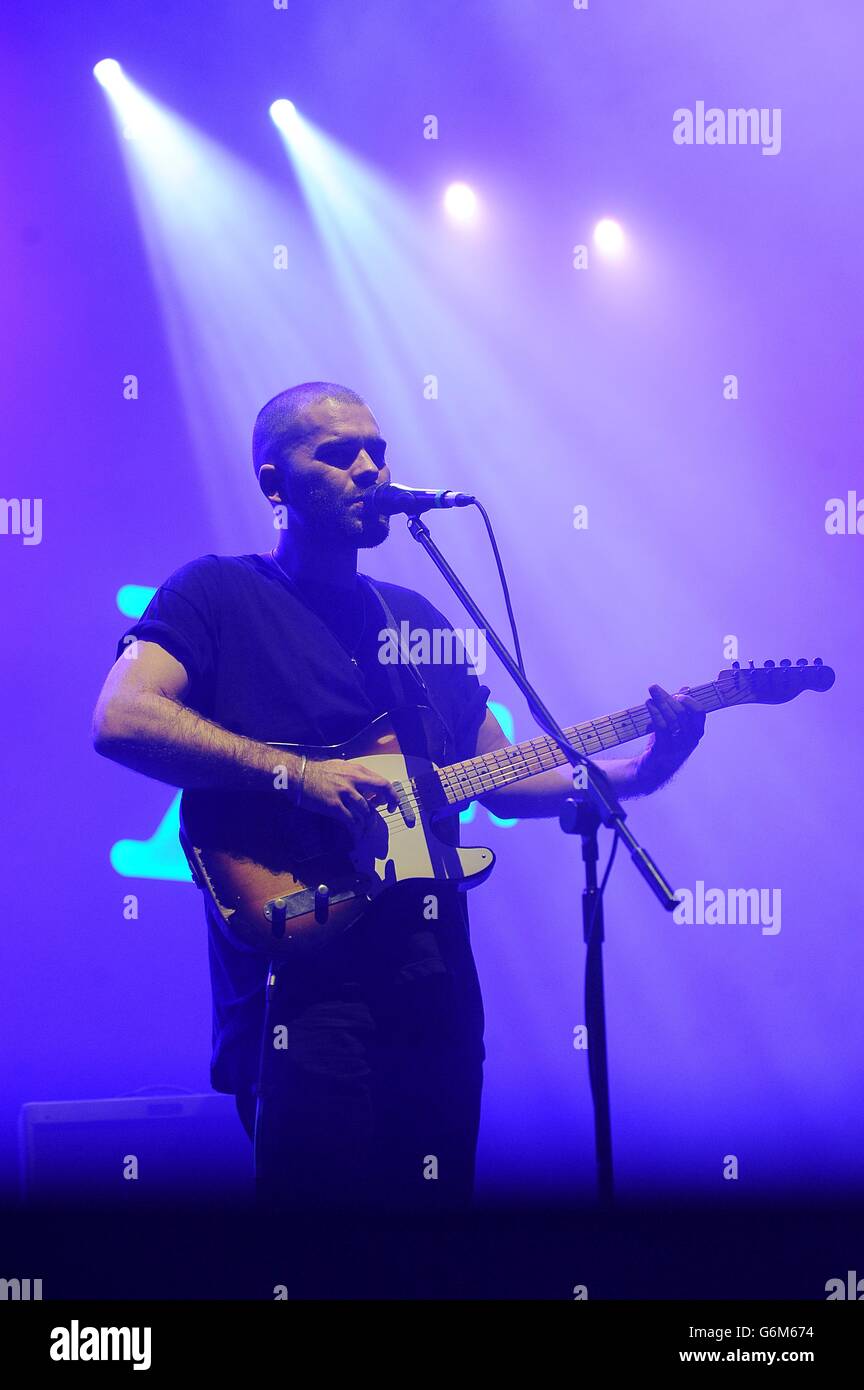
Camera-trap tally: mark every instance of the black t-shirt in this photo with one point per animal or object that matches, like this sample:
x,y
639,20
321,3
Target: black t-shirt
x,y
265,660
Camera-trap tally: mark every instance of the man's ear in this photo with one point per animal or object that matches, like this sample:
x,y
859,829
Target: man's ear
x,y
270,482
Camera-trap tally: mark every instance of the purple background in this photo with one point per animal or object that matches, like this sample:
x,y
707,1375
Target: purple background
x,y
556,387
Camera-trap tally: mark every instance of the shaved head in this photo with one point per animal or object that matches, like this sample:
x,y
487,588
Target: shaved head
x,y
282,421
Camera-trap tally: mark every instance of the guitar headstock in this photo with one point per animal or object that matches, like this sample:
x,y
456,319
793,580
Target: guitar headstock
x,y
771,684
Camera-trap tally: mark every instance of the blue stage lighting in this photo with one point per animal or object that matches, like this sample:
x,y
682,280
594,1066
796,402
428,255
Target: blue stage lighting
x,y
609,237
108,73
460,200
283,114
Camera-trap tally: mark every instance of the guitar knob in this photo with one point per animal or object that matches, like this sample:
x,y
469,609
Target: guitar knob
x,y
278,913
769,665
736,665
785,662
802,661
817,661
322,903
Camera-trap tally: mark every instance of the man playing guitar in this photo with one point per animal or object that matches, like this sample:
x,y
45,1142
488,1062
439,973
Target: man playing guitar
x,y
371,1066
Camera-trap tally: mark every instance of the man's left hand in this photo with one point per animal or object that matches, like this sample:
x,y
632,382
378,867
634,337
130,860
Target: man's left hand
x,y
677,726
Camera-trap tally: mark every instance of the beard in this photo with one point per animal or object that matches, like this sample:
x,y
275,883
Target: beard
x,y
325,512
374,531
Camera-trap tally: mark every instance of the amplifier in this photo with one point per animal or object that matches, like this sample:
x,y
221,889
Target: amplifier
x,y
131,1149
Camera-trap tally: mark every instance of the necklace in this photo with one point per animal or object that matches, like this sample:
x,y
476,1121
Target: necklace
x,y
351,651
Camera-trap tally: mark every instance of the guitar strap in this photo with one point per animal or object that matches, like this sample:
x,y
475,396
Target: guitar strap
x,y
405,660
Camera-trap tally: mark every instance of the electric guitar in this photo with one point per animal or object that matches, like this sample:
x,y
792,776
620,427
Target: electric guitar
x,y
284,879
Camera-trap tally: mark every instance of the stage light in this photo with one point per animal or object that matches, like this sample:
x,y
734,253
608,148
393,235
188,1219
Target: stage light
x,y
108,73
460,202
609,237
137,115
283,114
240,287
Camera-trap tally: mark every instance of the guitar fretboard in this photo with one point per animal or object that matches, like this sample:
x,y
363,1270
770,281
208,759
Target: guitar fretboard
x,y
463,781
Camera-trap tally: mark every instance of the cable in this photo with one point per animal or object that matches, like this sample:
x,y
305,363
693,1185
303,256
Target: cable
x,y
594,1077
601,890
495,551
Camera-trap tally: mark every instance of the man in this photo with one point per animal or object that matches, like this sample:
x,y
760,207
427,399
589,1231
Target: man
x,y
374,1094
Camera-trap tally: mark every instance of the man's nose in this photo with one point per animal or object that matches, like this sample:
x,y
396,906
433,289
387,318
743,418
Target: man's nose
x,y
365,466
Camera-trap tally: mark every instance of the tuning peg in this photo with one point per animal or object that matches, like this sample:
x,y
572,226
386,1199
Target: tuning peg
x,y
802,661
785,662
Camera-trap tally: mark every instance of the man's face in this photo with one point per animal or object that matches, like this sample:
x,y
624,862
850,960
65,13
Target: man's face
x,y
324,477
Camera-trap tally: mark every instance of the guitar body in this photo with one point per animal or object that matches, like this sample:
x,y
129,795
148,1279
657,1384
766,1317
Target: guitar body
x,y
284,880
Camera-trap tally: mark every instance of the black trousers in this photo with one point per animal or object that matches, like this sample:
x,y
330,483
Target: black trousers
x,y
369,1096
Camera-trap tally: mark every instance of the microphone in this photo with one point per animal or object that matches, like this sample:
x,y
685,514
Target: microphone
x,y
389,498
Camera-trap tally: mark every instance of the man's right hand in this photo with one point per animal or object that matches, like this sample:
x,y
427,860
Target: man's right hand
x,y
347,792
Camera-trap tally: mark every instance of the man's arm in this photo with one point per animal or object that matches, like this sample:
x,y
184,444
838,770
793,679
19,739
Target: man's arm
x,y
140,721
677,726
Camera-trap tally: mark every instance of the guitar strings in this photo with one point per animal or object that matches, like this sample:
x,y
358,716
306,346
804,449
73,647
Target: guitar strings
x,y
463,781
472,777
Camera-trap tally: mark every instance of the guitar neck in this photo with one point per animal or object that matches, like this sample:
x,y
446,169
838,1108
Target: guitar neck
x,y
464,781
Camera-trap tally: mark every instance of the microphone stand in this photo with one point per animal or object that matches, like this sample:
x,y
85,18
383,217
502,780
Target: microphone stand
x,y
595,804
